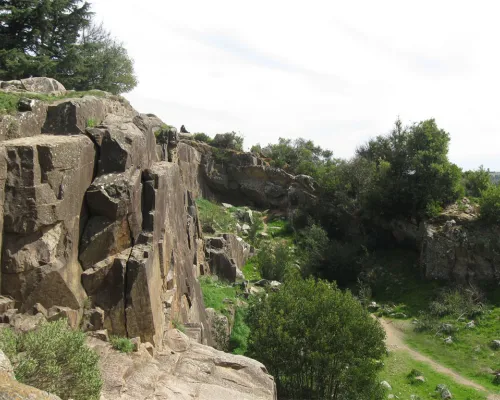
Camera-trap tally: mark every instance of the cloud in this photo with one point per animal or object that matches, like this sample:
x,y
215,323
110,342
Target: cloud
x,y
238,48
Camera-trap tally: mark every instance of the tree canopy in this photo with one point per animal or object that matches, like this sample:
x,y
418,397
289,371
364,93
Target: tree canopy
x,y
57,38
317,341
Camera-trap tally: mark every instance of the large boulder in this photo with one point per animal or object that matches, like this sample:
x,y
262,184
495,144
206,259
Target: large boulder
x,y
183,370
43,85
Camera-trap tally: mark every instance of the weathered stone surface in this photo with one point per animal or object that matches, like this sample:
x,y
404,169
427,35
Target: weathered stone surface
x,y
124,146
243,178
6,303
144,309
73,317
227,255
70,116
43,85
184,370
103,237
45,182
93,319
10,389
28,122
465,251
118,196
105,286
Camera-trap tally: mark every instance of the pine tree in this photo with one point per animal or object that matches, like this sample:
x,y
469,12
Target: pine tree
x,y
56,38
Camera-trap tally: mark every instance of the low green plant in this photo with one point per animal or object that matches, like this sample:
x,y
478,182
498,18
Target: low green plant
x,y
122,344
238,342
9,101
274,259
178,325
56,359
8,342
216,292
91,123
214,218
395,371
251,271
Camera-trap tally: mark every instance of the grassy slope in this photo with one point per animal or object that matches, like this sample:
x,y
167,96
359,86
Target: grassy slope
x,y
9,100
470,354
399,364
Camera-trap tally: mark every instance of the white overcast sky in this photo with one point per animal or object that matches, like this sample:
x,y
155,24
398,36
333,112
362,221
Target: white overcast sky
x,y
336,72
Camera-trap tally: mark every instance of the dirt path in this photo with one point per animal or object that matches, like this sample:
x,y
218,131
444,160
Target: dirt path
x,y
394,341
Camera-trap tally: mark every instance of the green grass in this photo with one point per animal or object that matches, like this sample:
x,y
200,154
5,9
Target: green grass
x,y
397,282
213,215
279,228
10,100
122,344
215,292
238,342
179,325
398,366
470,354
251,271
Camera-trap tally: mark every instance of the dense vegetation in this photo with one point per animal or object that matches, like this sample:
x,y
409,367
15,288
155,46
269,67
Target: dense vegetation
x,y
317,341
59,39
56,359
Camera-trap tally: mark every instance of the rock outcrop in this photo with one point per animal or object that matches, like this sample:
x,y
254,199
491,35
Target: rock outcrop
x,y
89,211
241,178
458,247
99,225
226,256
182,370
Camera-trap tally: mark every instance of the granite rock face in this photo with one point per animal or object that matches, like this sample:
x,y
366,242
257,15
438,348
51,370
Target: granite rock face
x,y
90,215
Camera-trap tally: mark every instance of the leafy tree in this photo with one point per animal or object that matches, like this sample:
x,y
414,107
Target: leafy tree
x,y
413,170
490,204
313,243
202,137
274,259
477,181
317,341
230,140
100,62
56,38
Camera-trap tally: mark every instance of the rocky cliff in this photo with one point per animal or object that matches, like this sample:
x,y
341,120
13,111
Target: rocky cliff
x,y
99,221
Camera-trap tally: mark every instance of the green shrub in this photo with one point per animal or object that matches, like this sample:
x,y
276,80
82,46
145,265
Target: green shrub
x,y
8,342
274,259
433,209
122,344
202,137
317,341
458,302
490,204
230,140
55,359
